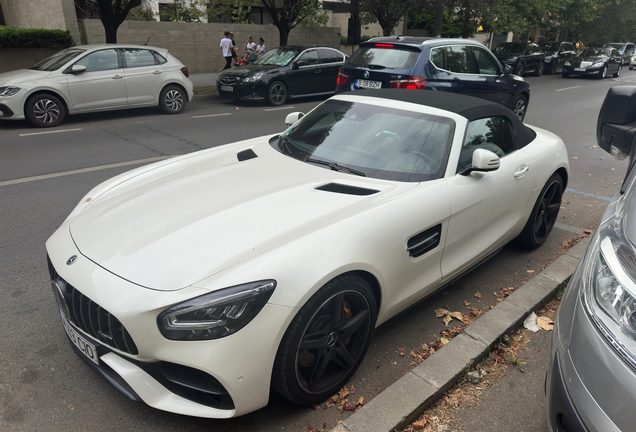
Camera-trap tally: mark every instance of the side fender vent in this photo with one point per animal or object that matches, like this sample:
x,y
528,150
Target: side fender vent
x,y
425,241
246,155
345,189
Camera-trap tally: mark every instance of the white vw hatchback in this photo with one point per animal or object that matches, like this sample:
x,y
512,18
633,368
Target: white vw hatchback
x,y
198,283
94,78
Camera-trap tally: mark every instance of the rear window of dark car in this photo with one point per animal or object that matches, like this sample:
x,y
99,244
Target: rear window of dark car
x,y
374,57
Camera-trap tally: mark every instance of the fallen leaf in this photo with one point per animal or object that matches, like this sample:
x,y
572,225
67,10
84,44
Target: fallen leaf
x,y
545,323
343,393
587,231
458,316
466,303
530,271
412,354
441,312
478,295
339,421
447,319
475,312
360,401
419,424
443,341
316,407
402,354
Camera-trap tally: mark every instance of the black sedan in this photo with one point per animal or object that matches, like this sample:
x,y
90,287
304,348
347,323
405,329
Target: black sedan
x,y
283,73
596,62
522,57
556,54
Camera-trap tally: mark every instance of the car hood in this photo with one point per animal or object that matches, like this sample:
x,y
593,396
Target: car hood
x,y
21,76
248,69
507,55
182,222
589,59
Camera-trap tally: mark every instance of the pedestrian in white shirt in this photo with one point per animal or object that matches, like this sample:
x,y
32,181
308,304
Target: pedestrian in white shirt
x,y
250,46
260,48
226,49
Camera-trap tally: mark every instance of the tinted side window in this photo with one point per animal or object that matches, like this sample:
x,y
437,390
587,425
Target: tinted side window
x,y
486,62
328,56
615,53
138,58
491,133
459,60
308,58
438,58
100,60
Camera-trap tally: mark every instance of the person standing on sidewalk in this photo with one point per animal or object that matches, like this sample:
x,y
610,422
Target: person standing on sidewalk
x,y
226,49
234,49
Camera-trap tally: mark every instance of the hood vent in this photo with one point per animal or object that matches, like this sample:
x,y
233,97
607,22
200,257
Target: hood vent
x,y
246,155
346,189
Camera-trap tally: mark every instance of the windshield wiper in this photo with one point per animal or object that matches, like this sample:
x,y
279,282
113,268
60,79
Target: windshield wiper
x,y
335,167
283,144
377,66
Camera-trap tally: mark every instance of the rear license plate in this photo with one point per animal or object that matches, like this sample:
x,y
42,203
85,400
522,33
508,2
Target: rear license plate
x,y
368,84
227,88
84,346
579,69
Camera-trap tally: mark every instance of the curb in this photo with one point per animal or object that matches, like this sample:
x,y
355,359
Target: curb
x,y
406,399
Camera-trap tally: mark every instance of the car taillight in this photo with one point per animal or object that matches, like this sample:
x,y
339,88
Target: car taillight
x,y
184,70
411,83
342,78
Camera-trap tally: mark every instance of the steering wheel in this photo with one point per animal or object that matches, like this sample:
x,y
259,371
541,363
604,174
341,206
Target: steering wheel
x,y
392,135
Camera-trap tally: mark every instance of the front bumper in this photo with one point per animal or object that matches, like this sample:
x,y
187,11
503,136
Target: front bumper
x,y
12,107
584,71
167,374
243,91
589,387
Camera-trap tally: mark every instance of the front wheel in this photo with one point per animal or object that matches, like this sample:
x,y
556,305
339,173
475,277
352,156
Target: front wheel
x,y
326,341
172,100
544,214
603,73
45,110
539,70
277,93
553,68
520,106
618,72
520,70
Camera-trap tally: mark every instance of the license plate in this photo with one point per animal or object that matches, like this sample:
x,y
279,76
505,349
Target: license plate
x,y
84,346
579,69
227,88
368,84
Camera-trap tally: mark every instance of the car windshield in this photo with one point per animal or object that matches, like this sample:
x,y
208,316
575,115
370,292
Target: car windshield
x,y
57,60
276,57
594,52
511,47
374,57
618,46
550,47
371,140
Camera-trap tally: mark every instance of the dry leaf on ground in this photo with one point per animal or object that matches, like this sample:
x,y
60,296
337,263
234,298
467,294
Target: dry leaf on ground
x,y
478,295
545,323
441,312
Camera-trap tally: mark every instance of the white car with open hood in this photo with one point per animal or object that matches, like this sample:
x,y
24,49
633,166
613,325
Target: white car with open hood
x,y
198,283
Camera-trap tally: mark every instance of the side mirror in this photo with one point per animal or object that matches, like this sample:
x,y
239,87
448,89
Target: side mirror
x,y
616,125
507,70
76,69
293,118
483,161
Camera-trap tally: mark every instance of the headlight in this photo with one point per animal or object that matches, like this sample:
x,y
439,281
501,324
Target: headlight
x,y
9,90
253,78
215,315
599,64
567,63
609,290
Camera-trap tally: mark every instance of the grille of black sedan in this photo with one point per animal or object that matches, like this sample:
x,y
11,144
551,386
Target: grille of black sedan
x,y
229,80
92,318
346,189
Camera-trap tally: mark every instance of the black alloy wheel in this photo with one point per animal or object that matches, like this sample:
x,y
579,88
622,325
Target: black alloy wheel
x,y
553,67
520,106
45,110
520,71
326,342
603,73
544,214
172,100
618,72
277,93
539,70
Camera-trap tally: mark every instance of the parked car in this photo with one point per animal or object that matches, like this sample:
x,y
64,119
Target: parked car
x,y
451,65
626,50
592,374
284,73
596,62
556,54
193,285
92,78
632,62
522,57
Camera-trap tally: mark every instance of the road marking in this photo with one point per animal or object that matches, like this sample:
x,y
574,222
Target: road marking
x,y
51,132
278,109
568,88
601,197
83,170
212,115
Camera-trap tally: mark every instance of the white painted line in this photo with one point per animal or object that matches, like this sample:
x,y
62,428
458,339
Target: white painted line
x,y
83,170
568,88
51,132
278,109
212,115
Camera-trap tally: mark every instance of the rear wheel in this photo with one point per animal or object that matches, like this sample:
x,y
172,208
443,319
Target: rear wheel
x,y
539,70
277,93
521,106
326,341
544,214
172,100
45,110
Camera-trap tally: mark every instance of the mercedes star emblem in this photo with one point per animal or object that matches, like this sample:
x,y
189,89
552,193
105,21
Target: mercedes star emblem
x,y
71,260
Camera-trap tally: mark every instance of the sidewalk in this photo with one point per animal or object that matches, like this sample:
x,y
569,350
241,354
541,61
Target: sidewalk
x,y
204,79
403,402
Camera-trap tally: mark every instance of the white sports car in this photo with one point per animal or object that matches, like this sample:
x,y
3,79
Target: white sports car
x,y
198,283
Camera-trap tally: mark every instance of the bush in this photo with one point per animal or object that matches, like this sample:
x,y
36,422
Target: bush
x,y
12,37
141,13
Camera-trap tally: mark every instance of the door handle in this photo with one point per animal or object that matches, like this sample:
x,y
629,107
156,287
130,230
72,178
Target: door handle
x,y
118,77
157,72
521,171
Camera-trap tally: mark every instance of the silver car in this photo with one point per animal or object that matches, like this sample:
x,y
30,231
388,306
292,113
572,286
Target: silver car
x,y
591,383
94,78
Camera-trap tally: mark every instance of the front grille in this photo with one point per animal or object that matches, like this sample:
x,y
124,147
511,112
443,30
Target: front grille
x,y
229,80
6,111
92,318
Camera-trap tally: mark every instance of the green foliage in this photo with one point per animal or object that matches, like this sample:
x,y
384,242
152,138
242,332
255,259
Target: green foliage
x,y
388,13
11,37
316,17
425,20
141,13
182,11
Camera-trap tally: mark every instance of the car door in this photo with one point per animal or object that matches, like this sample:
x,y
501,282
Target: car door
x,y
458,72
101,85
615,61
497,87
143,76
330,63
566,52
532,57
304,76
485,207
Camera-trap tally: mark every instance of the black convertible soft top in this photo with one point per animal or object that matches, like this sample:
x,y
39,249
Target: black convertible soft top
x,y
472,108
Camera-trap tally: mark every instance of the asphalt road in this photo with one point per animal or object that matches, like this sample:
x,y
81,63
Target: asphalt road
x,y
43,174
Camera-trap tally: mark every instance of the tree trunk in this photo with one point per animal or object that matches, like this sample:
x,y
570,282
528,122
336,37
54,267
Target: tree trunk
x,y
387,30
284,35
111,32
439,18
465,25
